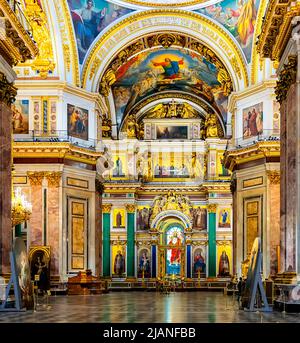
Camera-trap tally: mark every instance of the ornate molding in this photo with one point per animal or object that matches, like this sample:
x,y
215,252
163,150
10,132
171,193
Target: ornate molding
x,y
106,208
130,208
274,177
212,208
53,178
287,77
8,91
277,26
223,243
36,178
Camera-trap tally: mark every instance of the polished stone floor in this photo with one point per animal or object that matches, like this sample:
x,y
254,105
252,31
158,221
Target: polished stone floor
x,y
145,307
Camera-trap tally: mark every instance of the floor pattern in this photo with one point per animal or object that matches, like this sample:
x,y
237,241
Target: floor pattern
x,y
145,307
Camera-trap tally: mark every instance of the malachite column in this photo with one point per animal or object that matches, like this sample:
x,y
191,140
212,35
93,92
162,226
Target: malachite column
x,y
212,248
130,208
188,260
18,229
106,209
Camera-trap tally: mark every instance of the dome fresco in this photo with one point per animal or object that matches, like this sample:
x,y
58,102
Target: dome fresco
x,y
90,17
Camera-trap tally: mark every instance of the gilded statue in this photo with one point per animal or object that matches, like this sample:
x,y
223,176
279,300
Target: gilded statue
x,y
159,111
131,127
173,110
211,126
171,202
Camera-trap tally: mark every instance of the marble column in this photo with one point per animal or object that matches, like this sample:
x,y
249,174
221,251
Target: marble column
x,y
106,215
212,248
36,218
7,95
53,206
130,208
98,227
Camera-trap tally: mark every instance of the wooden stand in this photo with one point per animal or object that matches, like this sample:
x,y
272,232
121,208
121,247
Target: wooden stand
x,y
84,283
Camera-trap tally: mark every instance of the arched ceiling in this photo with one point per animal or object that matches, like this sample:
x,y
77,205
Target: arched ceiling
x,y
237,17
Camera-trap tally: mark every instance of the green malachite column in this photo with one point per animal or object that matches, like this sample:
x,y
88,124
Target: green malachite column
x,y
130,240
212,249
106,209
18,229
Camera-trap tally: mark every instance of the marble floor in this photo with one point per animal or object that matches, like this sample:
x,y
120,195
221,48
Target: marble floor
x,y
145,307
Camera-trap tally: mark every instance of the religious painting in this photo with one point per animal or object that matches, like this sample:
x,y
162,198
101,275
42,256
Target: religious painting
x,y
252,219
175,241
199,218
143,269
238,17
118,261
20,117
119,218
90,17
253,120
143,218
118,169
199,262
224,218
276,117
224,259
171,132
150,72
39,258
172,165
78,122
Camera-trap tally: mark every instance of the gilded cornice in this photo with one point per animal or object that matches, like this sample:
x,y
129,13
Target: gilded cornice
x,y
36,178
223,243
20,46
217,187
8,91
277,26
54,150
53,178
287,77
274,177
164,4
237,60
249,91
251,153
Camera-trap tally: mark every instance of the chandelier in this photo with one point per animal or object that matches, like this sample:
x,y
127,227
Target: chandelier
x,y
21,208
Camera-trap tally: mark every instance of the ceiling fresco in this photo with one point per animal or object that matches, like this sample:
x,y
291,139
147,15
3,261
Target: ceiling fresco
x,y
238,17
167,70
90,17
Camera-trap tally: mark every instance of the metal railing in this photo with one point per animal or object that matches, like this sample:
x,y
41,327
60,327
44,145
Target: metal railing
x,y
57,136
243,142
16,8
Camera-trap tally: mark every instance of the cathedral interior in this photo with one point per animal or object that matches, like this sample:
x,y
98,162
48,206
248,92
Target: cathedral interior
x,y
146,145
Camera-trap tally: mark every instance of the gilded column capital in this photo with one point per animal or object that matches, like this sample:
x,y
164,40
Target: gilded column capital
x,y
286,78
53,178
273,176
35,178
212,208
8,91
130,208
106,208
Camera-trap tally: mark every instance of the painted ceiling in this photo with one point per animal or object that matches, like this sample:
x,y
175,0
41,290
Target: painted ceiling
x,y
90,17
167,70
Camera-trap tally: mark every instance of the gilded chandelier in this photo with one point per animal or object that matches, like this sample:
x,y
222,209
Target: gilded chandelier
x,y
21,208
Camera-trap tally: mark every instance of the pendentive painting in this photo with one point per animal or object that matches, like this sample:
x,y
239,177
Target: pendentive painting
x,y
238,17
253,120
78,122
150,72
90,17
20,117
